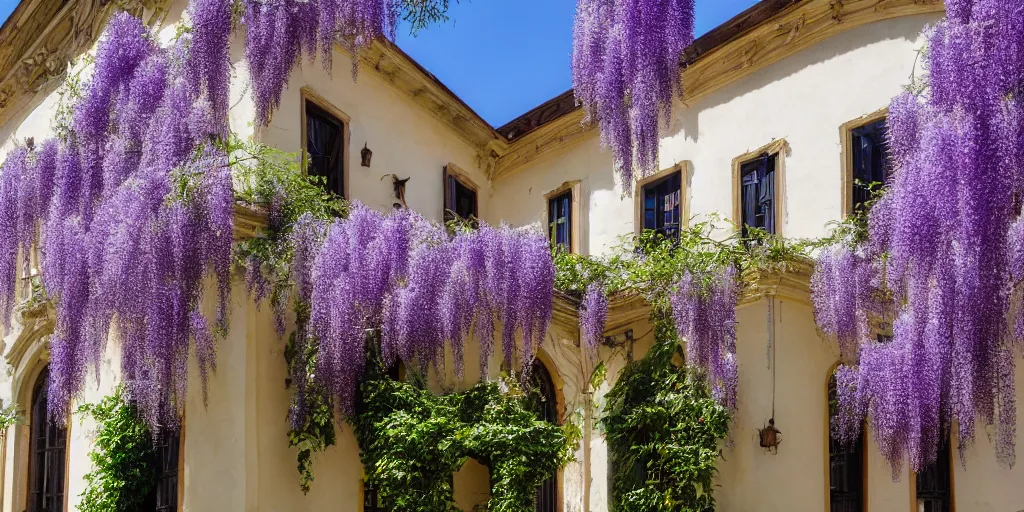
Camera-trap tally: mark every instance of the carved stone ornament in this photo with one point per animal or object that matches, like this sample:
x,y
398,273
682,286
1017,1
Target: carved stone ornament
x,y
41,39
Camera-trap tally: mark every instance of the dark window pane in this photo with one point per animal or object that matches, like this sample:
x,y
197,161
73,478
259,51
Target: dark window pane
x,y
870,160
47,454
757,193
560,221
933,483
459,199
371,501
662,202
166,450
546,407
325,141
846,468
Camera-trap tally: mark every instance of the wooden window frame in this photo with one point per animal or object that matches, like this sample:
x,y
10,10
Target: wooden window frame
x,y
846,155
778,148
575,212
31,384
307,94
456,172
865,468
683,168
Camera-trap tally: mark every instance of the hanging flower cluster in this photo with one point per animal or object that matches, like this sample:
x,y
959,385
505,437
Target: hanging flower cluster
x,y
958,150
422,287
593,315
132,208
704,313
626,72
280,32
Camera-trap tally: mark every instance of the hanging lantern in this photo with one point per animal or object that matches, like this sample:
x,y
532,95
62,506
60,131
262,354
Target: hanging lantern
x,y
770,437
366,155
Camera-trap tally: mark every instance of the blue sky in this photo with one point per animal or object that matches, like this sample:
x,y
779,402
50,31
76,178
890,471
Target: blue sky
x,y
504,57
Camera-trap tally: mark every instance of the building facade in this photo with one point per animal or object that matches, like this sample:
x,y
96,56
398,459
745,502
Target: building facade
x,y
784,113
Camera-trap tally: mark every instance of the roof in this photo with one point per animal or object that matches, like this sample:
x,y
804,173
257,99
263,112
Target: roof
x,y
737,26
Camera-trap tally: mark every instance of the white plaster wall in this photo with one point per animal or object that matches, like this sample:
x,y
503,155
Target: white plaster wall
x,y
804,98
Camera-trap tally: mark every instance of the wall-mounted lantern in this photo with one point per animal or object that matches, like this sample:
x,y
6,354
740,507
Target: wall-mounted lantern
x,y
770,437
366,155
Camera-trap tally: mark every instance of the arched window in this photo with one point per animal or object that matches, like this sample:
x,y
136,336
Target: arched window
x,y
546,408
47,451
845,465
934,483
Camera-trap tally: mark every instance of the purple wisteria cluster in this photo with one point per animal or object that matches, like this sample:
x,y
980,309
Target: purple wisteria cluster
x,y
704,313
131,210
280,32
593,316
422,287
626,72
952,251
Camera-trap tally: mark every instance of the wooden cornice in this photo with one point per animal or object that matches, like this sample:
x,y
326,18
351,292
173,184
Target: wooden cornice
x,y
42,37
405,75
794,28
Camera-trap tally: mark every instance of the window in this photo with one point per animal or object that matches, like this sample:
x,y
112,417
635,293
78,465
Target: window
x,y
47,453
546,407
371,501
459,196
845,466
662,204
757,193
166,451
560,221
870,153
325,144
934,483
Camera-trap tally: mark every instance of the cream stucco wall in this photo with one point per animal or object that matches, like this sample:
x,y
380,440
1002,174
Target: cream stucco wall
x,y
803,99
235,450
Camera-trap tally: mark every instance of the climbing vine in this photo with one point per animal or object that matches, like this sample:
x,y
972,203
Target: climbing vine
x,y
664,431
122,457
413,441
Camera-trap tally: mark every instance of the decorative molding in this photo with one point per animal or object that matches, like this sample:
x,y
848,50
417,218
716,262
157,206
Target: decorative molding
x,y
399,71
39,41
558,134
249,220
791,30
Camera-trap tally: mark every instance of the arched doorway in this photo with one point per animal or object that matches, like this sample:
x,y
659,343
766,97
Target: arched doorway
x,y
546,406
47,453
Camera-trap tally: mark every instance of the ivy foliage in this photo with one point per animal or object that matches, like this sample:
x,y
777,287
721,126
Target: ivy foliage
x,y
273,180
651,264
663,431
122,456
413,441
317,431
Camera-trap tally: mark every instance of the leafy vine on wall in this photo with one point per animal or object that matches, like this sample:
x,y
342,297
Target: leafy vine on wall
x,y
413,441
122,456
